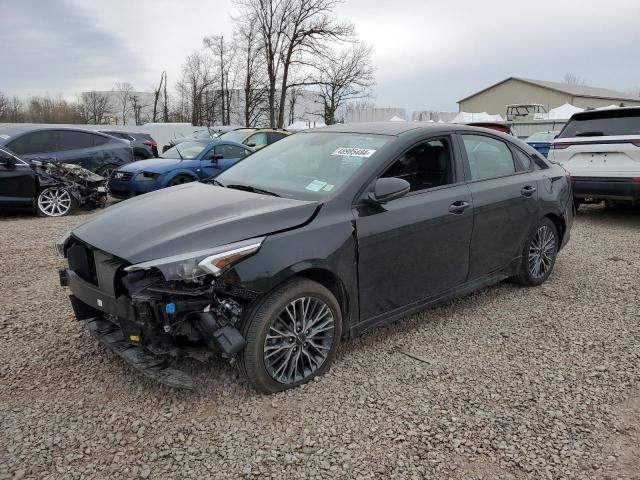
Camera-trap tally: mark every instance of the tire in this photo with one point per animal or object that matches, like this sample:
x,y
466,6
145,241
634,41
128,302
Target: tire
x,y
179,180
106,170
137,158
55,202
576,204
539,254
262,359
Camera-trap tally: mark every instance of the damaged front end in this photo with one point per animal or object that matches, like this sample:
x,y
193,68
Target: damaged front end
x,y
87,188
154,312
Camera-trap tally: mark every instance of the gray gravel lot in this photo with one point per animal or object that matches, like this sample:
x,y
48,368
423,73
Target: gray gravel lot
x,y
509,383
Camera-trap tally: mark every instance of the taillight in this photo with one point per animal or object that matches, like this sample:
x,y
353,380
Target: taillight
x,y
636,142
560,145
636,179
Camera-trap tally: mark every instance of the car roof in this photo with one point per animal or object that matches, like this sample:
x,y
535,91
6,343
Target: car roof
x,y
606,113
10,131
396,128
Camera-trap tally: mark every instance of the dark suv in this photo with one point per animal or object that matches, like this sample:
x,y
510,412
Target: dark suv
x,y
144,146
94,151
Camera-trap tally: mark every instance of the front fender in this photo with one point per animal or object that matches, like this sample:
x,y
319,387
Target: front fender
x,y
167,177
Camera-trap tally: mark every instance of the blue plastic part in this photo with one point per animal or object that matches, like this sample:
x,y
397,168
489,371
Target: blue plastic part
x,y
170,308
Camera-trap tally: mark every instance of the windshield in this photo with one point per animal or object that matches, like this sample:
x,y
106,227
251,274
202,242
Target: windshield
x,y
306,165
542,137
236,135
619,123
185,150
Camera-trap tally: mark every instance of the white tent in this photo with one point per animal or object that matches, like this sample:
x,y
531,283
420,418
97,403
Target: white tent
x,y
563,112
467,117
608,107
396,118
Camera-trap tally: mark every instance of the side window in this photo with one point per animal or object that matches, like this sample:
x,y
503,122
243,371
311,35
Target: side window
x,y
259,139
488,157
274,137
427,165
75,140
99,139
523,160
230,151
36,142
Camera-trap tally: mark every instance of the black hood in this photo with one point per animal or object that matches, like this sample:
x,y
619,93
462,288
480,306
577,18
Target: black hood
x,y
188,218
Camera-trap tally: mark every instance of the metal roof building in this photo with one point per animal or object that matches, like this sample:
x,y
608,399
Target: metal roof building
x,y
514,90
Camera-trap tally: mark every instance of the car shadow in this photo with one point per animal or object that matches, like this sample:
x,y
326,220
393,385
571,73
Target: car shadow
x,y
623,214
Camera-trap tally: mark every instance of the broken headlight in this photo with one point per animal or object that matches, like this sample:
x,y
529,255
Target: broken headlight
x,y
146,176
191,266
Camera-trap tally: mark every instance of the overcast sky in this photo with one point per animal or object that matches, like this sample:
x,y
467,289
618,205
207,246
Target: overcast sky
x,y
428,54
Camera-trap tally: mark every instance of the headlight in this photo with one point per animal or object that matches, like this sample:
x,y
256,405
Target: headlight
x,y
61,243
146,176
190,266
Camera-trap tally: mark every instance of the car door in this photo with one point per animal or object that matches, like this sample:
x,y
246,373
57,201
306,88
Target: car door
x,y
505,201
17,181
81,148
212,166
415,248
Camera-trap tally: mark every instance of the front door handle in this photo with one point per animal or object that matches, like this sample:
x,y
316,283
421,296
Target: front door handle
x,y
527,191
458,207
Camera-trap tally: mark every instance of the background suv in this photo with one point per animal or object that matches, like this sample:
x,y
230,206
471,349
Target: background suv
x,y
94,151
144,146
601,150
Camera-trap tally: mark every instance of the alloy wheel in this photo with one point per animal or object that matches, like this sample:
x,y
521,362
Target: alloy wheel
x,y
299,340
541,252
54,202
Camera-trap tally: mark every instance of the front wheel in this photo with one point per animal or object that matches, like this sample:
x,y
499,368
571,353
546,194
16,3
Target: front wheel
x,y
292,336
179,180
539,254
55,202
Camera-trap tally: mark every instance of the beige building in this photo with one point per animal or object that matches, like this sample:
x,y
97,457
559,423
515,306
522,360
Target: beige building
x,y
494,99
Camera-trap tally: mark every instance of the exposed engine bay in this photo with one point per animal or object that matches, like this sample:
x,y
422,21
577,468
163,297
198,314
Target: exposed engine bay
x,y
88,189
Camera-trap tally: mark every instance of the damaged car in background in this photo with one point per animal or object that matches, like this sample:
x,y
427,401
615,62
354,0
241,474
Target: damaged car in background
x,y
322,236
53,189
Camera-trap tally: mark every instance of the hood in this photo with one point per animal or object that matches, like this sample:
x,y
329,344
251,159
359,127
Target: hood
x,y
156,165
188,218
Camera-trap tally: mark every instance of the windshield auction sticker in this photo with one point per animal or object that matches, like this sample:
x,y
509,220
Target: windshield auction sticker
x,y
354,152
316,186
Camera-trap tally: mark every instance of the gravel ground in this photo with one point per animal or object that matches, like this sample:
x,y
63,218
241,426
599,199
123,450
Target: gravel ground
x,y
509,383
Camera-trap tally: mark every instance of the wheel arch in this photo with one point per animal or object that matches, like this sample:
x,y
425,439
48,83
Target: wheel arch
x,y
560,224
176,173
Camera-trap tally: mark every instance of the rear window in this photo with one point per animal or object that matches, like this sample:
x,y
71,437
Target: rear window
x,y
602,124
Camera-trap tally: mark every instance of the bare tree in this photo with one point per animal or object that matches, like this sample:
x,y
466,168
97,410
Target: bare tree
x,y
343,77
571,79
123,92
94,107
5,104
224,55
197,78
252,75
138,107
156,96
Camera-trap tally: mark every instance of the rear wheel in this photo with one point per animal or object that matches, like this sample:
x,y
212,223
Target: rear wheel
x,y
539,254
179,180
292,336
55,202
138,157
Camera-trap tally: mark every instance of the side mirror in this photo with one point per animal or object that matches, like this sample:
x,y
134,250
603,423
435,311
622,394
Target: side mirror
x,y
215,157
9,162
387,189
252,145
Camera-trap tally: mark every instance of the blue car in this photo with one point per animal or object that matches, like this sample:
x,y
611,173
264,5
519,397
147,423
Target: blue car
x,y
541,141
185,162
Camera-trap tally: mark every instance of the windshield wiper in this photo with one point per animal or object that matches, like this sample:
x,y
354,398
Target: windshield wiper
x,y
250,188
178,150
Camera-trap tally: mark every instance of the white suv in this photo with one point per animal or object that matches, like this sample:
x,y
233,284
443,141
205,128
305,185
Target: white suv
x,y
601,151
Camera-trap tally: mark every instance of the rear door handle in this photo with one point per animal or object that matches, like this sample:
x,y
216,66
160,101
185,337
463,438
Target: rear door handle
x,y
458,207
528,191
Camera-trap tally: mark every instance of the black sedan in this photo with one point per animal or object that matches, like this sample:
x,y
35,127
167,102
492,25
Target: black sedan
x,y
322,236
